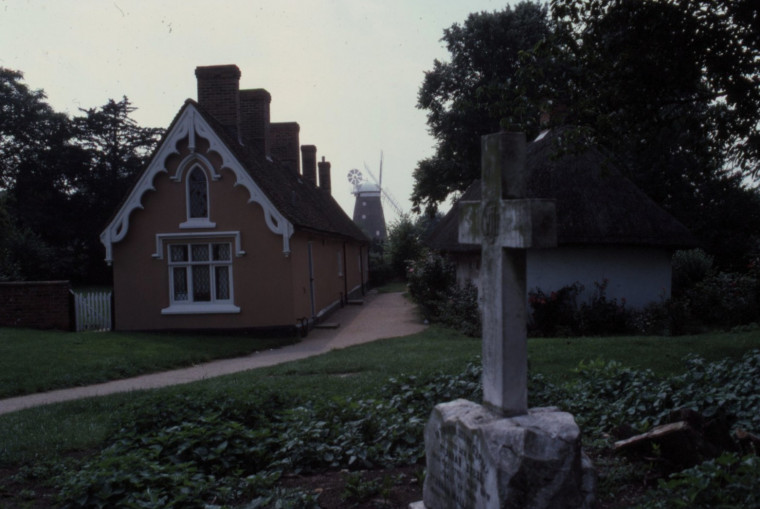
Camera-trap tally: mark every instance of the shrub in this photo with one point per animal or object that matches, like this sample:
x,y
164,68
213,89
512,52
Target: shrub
x,y
430,278
461,311
380,271
404,244
555,314
689,268
558,313
720,300
602,315
654,319
432,284
725,299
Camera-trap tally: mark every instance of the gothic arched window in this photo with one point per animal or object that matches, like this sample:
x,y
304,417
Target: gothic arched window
x,y
197,194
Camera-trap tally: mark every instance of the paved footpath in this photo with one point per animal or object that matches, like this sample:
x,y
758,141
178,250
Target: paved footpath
x,y
385,315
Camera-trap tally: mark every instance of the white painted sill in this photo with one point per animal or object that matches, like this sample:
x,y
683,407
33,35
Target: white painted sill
x,y
197,223
200,309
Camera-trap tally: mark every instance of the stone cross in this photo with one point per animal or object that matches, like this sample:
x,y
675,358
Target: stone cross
x,y
506,224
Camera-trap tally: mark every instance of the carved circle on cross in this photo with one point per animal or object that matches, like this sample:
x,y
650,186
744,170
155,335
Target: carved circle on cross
x,y
490,221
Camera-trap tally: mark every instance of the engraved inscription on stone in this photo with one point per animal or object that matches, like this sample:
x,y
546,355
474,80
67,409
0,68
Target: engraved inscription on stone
x,y
459,476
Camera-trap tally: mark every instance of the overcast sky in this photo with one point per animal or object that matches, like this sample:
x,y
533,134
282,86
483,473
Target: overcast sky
x,y
347,71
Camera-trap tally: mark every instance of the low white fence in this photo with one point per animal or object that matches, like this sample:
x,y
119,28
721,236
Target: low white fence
x,y
92,311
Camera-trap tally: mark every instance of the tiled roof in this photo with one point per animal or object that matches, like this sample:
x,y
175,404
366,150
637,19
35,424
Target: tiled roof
x,y
304,205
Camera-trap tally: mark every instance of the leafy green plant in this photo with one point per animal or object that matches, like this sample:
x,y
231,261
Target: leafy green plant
x,y
163,443
188,456
608,394
726,481
359,489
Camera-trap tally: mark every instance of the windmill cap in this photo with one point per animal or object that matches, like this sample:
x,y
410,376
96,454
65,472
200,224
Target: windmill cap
x,y
368,187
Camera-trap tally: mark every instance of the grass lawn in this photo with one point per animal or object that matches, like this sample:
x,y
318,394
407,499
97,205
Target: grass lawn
x,y
556,357
357,372
35,361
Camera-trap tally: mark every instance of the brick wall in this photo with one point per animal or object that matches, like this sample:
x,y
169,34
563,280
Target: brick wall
x,y
219,93
324,176
254,118
36,305
284,144
309,162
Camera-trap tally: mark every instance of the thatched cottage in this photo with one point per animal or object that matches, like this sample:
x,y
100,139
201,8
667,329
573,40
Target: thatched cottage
x,y
607,228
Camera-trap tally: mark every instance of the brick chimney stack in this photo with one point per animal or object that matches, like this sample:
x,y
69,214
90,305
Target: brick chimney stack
x,y
309,158
219,94
284,142
324,176
254,119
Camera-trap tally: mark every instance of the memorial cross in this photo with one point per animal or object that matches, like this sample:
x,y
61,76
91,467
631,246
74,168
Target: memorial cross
x,y
505,224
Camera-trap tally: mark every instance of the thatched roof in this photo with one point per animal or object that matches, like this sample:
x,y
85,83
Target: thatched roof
x,y
595,203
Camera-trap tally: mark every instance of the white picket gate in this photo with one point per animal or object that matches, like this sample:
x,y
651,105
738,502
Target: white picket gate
x,y
93,311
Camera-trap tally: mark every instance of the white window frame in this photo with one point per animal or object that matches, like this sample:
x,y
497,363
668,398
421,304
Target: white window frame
x,y
214,304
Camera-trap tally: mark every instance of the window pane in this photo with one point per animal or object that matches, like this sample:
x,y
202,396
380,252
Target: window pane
x,y
197,193
178,253
221,251
201,284
200,252
222,283
180,283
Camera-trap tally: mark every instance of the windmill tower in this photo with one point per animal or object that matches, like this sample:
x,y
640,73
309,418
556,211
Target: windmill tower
x,y
368,208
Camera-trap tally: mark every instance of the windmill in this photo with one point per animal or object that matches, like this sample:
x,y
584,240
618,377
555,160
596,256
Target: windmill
x,y
370,195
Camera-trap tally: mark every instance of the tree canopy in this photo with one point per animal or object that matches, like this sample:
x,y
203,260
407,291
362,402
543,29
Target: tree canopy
x,y
60,180
672,88
472,94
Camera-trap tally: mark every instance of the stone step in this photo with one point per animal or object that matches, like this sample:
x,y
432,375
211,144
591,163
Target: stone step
x,y
327,325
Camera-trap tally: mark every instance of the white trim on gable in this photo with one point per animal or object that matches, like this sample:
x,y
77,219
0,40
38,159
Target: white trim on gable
x,y
189,162
191,125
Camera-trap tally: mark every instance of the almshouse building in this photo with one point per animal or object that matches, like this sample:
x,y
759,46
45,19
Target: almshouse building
x,y
232,224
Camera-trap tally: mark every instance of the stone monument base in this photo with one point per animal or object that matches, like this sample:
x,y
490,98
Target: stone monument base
x,y
477,458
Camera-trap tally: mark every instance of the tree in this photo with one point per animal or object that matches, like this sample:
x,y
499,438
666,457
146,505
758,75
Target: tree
x,y
28,126
8,270
62,178
671,88
474,94
117,148
404,244
639,63
36,166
